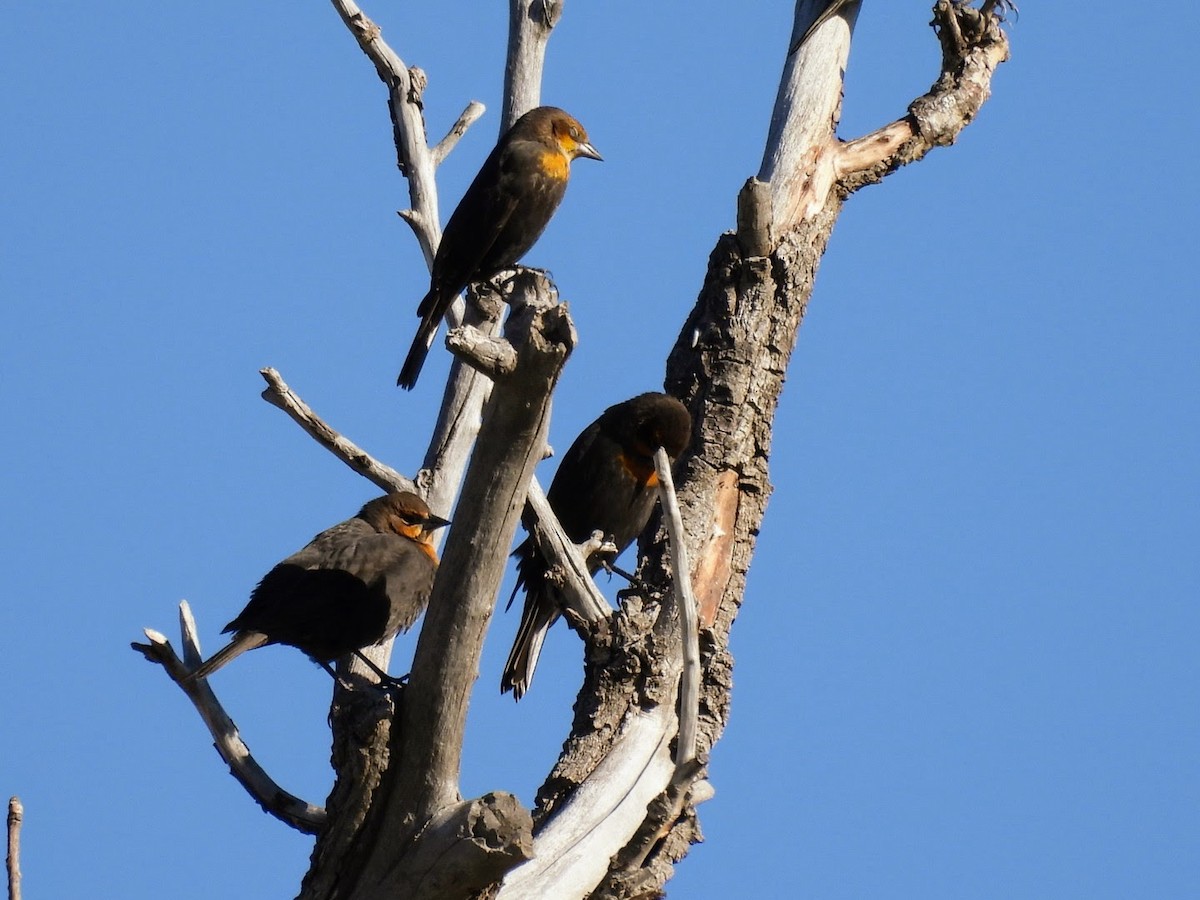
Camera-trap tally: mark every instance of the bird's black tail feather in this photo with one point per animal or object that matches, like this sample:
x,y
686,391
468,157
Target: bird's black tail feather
x,y
426,331
539,613
242,641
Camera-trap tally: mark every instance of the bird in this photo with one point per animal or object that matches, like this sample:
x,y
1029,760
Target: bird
x,y
501,215
832,9
606,482
354,585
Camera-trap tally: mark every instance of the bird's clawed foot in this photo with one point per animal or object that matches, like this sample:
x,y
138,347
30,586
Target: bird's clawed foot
x,y
636,585
504,282
387,683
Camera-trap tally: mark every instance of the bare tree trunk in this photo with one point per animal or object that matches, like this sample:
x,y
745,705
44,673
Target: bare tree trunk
x,y
728,366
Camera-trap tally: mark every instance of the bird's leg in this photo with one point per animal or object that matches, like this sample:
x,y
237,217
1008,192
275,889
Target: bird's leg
x,y
487,297
335,676
635,584
386,681
504,280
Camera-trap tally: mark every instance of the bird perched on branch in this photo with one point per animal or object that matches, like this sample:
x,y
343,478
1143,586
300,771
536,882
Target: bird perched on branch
x,y
354,585
606,482
502,214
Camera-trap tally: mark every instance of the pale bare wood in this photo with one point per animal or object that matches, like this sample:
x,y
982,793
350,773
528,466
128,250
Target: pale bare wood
x,y
422,780
973,46
685,602
413,155
463,399
832,8
491,356
273,799
442,149
567,560
529,25
806,113
16,815
573,849
278,394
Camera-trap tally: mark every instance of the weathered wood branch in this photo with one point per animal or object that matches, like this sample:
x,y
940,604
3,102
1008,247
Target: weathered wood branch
x,y
273,799
685,601
413,156
529,25
280,395
567,567
420,787
806,112
515,422
16,815
466,119
973,46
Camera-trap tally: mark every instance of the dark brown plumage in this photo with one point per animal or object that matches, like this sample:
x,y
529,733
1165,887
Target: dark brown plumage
x,y
354,585
606,482
502,214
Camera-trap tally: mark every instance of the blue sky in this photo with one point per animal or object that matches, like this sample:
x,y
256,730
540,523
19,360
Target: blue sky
x,y
967,659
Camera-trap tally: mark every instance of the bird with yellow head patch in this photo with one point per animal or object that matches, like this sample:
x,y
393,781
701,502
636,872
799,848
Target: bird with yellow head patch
x,y
502,214
355,584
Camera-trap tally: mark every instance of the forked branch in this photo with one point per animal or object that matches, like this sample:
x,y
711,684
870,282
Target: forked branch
x,y
273,799
804,164
973,46
279,394
416,160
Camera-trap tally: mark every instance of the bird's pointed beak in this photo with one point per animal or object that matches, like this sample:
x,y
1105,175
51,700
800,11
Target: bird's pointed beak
x,y
586,149
432,522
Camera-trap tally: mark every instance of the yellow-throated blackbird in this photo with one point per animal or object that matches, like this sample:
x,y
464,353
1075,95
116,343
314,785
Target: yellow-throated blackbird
x,y
354,585
606,482
831,9
502,214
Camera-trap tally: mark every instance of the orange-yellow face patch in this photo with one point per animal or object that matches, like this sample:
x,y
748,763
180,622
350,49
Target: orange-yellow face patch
x,y
407,529
641,469
426,544
555,164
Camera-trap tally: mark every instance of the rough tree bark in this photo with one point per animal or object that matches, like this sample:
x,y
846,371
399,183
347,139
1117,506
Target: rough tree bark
x,y
619,808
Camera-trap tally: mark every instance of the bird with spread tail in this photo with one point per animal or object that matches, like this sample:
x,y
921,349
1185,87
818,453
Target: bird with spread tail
x,y
502,214
354,585
606,482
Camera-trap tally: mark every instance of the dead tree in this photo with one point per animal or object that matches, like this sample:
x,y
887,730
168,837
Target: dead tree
x,y
619,808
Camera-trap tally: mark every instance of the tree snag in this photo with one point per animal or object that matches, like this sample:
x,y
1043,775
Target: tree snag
x,y
619,808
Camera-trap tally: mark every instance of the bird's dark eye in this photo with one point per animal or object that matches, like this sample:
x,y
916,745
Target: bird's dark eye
x,y
574,133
